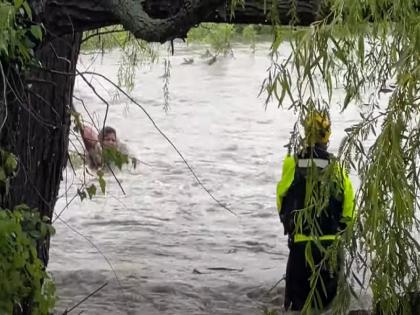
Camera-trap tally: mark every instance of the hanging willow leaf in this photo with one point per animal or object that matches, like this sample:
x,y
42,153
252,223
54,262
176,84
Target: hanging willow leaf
x,y
364,46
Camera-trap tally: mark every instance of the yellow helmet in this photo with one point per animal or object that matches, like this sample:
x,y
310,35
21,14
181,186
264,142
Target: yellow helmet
x,y
317,127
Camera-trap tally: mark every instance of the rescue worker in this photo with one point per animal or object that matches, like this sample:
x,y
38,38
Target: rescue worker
x,y
315,202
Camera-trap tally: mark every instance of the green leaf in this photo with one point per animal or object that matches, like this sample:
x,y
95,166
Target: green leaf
x,y
3,47
102,184
36,31
27,9
114,156
18,3
2,175
21,269
35,234
6,10
361,49
78,125
82,194
10,164
91,190
43,230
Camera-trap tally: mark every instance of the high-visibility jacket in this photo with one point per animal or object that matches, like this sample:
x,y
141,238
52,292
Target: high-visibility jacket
x,y
313,181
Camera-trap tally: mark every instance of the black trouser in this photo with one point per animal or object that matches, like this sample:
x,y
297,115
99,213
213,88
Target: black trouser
x,y
298,275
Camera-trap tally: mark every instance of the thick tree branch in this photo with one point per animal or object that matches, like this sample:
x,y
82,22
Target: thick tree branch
x,y
69,16
133,17
162,20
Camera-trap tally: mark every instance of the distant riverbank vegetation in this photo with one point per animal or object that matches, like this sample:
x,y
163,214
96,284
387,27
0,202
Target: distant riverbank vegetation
x,y
216,39
219,37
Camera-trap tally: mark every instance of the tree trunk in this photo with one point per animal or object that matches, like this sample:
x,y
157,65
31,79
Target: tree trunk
x,y
37,126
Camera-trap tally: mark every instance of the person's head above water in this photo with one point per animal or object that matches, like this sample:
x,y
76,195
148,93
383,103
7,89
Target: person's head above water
x,y
108,137
317,126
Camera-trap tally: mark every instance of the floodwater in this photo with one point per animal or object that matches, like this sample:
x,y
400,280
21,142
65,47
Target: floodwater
x,y
165,246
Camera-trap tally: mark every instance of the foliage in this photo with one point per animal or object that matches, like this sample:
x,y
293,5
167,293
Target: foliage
x,y
7,170
249,34
23,278
359,47
104,39
112,156
218,36
135,52
18,35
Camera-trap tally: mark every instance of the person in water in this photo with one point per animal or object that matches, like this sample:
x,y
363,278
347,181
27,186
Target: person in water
x,y
96,143
315,201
